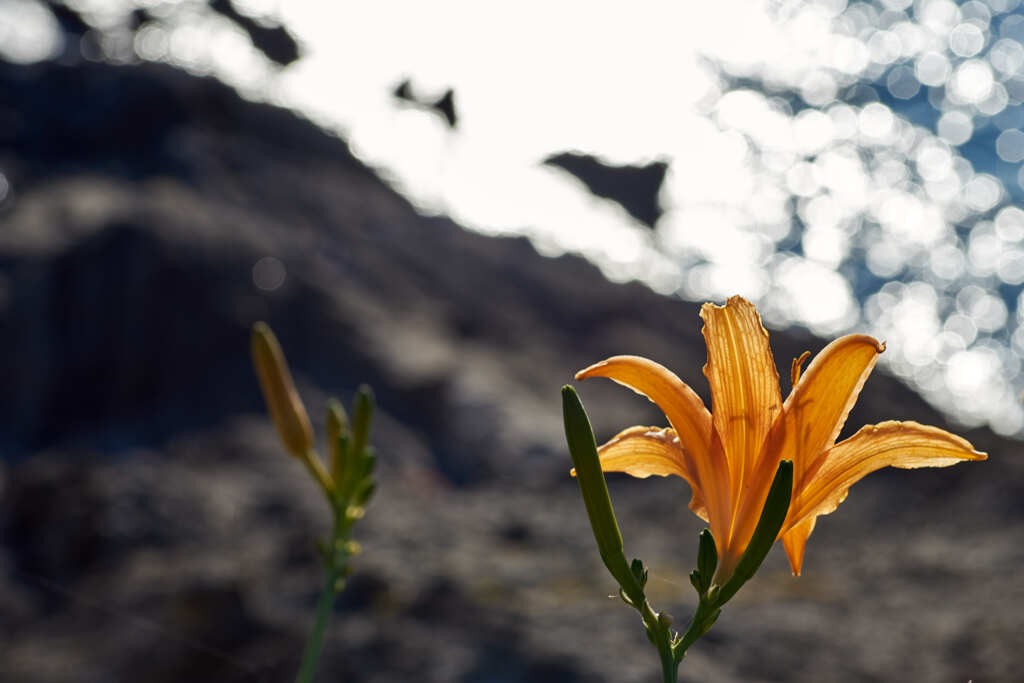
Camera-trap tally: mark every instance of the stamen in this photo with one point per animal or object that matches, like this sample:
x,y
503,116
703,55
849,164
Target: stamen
x,y
794,373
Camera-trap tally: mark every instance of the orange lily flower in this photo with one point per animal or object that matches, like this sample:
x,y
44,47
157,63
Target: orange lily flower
x,y
729,456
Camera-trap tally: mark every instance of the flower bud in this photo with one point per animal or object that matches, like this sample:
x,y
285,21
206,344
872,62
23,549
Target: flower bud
x,y
283,402
338,433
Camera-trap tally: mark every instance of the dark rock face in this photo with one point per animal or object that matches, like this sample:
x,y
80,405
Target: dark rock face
x,y
273,41
444,105
152,529
635,188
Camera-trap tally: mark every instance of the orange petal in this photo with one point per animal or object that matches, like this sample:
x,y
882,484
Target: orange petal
x,y
681,404
745,398
688,417
817,408
645,451
812,417
888,444
794,541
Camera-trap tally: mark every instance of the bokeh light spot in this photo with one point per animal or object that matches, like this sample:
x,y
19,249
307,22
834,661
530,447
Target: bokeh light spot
x,y
1009,224
1007,56
1010,146
28,32
947,262
932,68
902,83
972,81
966,40
982,192
955,127
885,47
933,160
268,273
969,372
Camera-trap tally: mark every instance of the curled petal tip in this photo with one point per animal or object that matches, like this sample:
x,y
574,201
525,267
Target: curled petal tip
x,y
590,370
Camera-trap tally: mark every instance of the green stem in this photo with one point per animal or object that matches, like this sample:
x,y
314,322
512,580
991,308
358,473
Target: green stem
x,y
669,667
316,467
661,633
311,656
706,612
333,571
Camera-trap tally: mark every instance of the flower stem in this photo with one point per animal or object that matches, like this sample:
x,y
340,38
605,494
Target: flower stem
x,y
335,561
661,633
311,657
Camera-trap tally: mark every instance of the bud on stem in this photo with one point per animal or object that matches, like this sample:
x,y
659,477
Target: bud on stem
x,y
338,433
283,402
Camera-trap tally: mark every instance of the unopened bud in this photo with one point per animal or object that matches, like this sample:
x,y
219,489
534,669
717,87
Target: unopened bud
x,y
283,402
337,436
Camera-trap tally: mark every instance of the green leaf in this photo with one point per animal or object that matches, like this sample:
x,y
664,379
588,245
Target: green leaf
x,y
707,560
341,461
639,572
365,492
773,515
369,462
698,582
583,450
362,415
337,421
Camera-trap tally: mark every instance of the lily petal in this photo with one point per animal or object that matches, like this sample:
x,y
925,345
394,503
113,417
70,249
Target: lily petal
x,y
906,445
817,408
745,397
681,404
690,419
645,451
794,542
811,419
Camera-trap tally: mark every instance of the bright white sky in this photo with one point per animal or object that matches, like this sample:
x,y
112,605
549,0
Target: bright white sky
x,y
631,86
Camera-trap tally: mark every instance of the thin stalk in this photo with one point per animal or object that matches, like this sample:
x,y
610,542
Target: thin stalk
x,y
335,560
316,467
662,635
311,657
698,626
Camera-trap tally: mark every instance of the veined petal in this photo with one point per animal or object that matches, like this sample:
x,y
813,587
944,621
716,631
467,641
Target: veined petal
x,y
687,416
645,451
794,542
816,410
681,404
812,417
906,445
745,397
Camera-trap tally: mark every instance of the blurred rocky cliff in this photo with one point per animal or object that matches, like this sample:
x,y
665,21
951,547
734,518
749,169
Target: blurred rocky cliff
x,y
152,529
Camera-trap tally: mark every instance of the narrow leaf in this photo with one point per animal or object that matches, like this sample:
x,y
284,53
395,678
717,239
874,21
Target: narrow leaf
x,y
337,426
707,559
773,515
583,450
362,415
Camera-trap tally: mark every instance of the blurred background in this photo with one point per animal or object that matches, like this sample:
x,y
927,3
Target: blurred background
x,y
462,205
